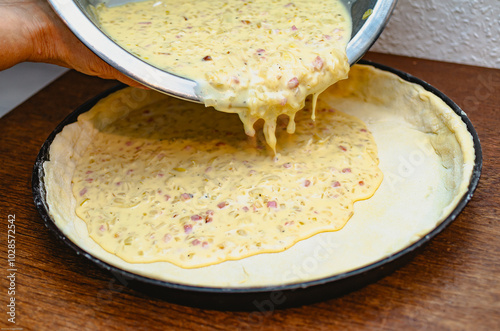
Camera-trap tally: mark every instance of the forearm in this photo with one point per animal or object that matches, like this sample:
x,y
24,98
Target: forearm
x,y
15,42
31,31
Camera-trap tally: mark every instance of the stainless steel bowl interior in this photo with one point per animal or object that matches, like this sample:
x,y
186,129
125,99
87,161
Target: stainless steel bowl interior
x,y
79,17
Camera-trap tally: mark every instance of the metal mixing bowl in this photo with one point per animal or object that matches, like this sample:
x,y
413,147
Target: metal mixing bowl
x,y
79,17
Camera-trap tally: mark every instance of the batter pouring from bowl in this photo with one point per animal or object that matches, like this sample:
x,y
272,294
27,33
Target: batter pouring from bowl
x,y
297,55
258,59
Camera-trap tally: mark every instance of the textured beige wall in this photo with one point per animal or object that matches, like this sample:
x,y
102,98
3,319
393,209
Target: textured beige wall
x,y
457,31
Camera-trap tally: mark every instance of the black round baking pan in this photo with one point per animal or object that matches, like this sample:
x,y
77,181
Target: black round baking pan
x,y
257,298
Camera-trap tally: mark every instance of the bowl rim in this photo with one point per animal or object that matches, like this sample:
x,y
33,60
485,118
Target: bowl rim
x,y
39,192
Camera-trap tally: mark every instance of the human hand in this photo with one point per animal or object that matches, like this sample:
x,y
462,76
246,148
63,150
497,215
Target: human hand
x,y
31,31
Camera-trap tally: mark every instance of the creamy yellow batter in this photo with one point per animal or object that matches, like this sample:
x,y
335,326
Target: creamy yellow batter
x,y
425,152
176,182
256,58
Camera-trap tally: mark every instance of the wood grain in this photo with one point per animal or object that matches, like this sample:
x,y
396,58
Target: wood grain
x,y
454,284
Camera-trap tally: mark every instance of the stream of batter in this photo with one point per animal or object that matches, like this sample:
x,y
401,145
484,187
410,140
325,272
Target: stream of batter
x,y
181,183
256,58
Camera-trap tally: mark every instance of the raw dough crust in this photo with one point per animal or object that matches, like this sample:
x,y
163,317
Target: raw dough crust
x,y
425,152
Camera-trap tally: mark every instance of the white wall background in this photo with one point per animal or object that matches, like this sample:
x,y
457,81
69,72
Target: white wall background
x,y
460,31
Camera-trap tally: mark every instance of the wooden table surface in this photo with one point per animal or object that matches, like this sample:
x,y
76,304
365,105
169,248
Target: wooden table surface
x,y
453,284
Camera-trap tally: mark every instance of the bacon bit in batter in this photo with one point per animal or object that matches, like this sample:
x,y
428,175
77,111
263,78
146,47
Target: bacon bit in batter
x,y
287,165
272,204
361,183
208,219
89,180
188,228
207,58
145,23
128,143
220,144
222,204
195,242
186,196
318,63
343,148
294,28
336,183
102,228
245,209
130,171
363,130
196,218
204,244
307,183
89,172
346,170
293,83
289,223
83,191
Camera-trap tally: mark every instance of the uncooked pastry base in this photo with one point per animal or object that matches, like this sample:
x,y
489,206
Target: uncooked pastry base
x,y
426,155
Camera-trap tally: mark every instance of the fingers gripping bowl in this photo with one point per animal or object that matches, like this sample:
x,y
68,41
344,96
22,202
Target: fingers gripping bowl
x,y
430,172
